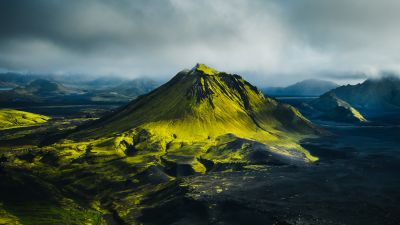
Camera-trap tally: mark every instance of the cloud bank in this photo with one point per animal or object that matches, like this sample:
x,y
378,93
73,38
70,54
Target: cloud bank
x,y
269,42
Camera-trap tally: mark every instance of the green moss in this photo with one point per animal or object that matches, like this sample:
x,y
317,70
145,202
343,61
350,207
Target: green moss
x,y
8,218
357,115
36,213
11,118
205,69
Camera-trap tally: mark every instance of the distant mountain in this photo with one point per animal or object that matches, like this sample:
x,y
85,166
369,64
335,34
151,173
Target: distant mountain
x,y
135,87
91,83
310,87
124,92
199,118
14,79
77,81
41,91
329,107
375,99
44,88
381,94
37,91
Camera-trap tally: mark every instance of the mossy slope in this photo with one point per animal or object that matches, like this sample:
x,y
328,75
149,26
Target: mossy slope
x,y
11,118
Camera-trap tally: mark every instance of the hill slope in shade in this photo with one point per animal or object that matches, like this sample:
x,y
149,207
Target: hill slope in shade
x,y
329,107
310,87
199,115
124,92
11,118
382,94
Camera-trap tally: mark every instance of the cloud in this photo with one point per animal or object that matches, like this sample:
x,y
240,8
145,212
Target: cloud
x,y
269,42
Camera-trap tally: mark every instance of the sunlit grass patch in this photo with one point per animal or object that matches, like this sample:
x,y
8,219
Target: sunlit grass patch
x,y
11,118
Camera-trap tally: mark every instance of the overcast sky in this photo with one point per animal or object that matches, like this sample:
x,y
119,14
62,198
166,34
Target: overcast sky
x,y
272,42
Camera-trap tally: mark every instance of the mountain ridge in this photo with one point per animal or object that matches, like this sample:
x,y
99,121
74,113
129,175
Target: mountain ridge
x,y
379,94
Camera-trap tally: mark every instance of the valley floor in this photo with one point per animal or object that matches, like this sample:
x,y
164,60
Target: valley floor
x,y
356,181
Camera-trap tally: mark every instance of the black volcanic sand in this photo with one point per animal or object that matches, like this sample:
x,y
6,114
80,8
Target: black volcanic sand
x,y
356,181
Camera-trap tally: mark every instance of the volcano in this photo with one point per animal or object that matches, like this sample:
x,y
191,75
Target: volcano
x,y
201,114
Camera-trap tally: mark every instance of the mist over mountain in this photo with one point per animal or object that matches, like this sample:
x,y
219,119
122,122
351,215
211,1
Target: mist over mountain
x,y
135,87
120,92
11,80
310,87
378,94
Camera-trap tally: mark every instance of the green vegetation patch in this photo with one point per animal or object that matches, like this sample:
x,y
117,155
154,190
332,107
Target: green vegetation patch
x,y
11,118
205,69
44,213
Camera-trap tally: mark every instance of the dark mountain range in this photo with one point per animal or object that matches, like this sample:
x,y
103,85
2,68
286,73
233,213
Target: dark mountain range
x,y
330,108
37,91
76,81
375,99
15,79
43,88
41,91
380,94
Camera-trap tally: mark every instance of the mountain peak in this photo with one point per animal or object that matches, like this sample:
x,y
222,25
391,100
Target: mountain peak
x,y
200,67
200,107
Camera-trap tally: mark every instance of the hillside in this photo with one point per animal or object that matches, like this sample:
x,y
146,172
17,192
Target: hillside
x,y
310,87
200,114
11,118
329,107
380,94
